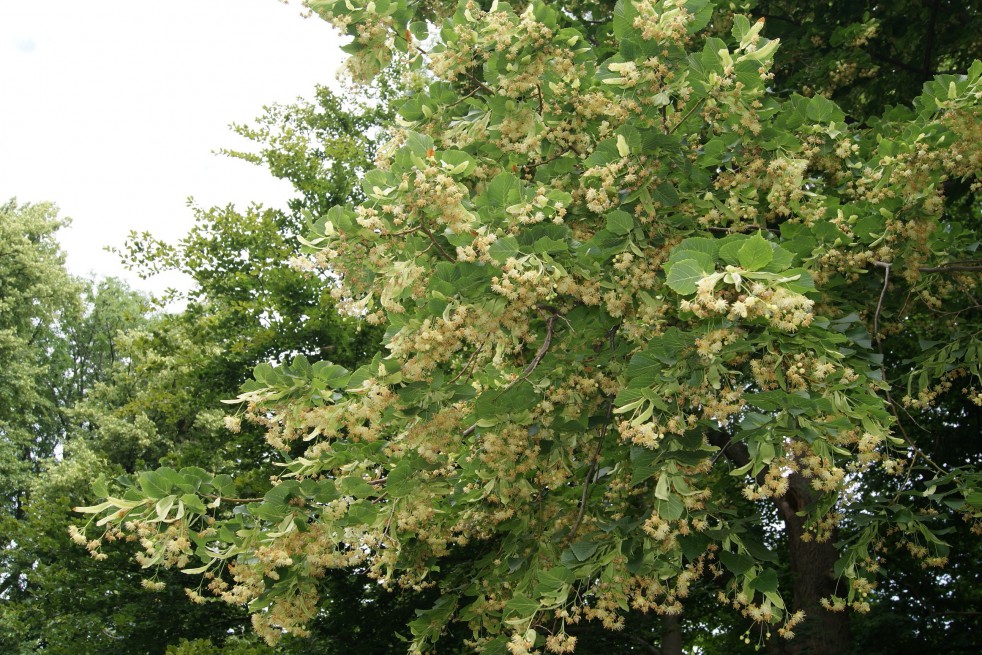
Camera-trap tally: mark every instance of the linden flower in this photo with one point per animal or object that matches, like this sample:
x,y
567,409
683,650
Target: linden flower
x,y
152,585
77,536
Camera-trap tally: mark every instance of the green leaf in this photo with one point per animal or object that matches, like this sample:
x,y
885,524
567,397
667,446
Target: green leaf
x,y
521,607
735,563
704,260
584,550
729,248
781,261
696,244
154,485
821,109
766,581
755,253
193,503
357,487
642,464
99,486
400,480
620,222
684,276
556,576
224,485
693,545
624,14
500,402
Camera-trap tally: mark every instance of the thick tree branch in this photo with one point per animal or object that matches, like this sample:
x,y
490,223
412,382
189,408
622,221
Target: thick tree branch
x,y
926,72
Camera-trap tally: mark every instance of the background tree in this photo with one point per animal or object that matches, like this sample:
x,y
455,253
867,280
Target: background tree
x,y
34,291
131,388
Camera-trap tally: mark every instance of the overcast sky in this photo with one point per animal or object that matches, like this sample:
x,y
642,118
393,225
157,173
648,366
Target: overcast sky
x,y
112,109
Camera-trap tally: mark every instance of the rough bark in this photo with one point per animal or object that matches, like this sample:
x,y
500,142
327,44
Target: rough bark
x,y
811,563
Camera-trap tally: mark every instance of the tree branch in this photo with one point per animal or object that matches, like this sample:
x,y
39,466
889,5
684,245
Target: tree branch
x,y
687,114
433,240
233,500
879,305
527,371
962,267
591,471
596,455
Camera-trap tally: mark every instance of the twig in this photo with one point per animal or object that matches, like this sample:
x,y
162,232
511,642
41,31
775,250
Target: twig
x,y
968,293
478,82
879,305
910,443
687,114
965,267
462,98
546,161
470,361
233,500
527,371
591,471
433,240
388,521
744,229
539,354
893,404
596,454
402,233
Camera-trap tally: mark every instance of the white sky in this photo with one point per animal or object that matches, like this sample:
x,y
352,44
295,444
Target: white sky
x,y
112,109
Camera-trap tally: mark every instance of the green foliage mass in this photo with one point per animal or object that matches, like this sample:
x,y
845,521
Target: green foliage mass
x,y
660,321
112,385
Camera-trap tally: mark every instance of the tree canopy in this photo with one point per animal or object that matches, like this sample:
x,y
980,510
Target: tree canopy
x,y
662,325
107,385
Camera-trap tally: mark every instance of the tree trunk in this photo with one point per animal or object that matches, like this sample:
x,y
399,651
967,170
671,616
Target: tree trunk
x,y
822,632
812,565
671,635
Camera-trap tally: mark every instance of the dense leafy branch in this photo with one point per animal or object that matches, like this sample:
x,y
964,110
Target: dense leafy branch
x,y
640,177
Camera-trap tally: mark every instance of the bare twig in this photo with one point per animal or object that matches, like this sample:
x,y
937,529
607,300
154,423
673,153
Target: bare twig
x,y
470,362
687,114
910,442
745,228
893,404
879,305
233,500
546,161
388,521
478,82
527,371
963,267
403,233
433,240
596,454
591,471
